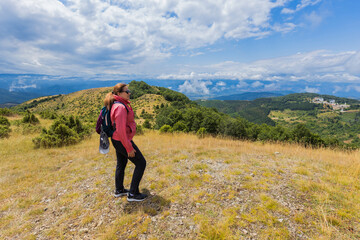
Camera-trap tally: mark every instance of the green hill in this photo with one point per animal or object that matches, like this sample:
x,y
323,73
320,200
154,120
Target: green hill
x,y
167,110
87,103
292,109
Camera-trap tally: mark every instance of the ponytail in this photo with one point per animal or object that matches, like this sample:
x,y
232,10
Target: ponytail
x,y
109,100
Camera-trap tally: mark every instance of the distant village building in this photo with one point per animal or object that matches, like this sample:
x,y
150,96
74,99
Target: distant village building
x,y
332,103
318,100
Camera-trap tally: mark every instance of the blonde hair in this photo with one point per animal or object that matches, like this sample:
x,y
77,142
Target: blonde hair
x,y
109,98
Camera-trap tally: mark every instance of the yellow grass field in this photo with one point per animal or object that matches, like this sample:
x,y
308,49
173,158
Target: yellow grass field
x,y
209,188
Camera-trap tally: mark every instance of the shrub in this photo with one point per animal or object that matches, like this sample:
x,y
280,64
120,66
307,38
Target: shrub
x,y
30,118
201,132
147,124
64,131
139,130
6,112
4,127
165,128
4,131
4,121
48,114
179,127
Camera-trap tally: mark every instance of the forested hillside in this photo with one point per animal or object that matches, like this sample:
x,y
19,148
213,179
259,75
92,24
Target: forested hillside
x,y
168,111
290,110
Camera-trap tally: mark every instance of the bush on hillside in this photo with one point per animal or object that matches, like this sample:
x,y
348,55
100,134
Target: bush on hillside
x,y
4,131
201,132
165,129
139,130
147,124
6,112
30,118
4,127
179,127
47,114
64,131
303,135
4,121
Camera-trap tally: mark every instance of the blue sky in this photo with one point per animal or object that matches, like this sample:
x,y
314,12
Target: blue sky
x,y
193,40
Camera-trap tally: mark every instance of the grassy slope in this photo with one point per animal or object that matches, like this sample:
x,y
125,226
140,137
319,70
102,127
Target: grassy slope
x,y
199,188
87,104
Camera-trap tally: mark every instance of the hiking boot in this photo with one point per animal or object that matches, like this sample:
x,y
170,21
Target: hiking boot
x,y
136,197
120,193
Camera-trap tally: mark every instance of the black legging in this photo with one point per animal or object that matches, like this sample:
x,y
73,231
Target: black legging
x,y
122,159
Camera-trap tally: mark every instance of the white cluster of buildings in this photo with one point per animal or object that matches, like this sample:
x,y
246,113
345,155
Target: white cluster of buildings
x,y
332,103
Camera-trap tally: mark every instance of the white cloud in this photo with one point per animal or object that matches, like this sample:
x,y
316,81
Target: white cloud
x,y
242,84
352,87
312,66
303,4
21,83
221,84
311,90
91,36
195,87
126,38
271,87
337,89
314,19
257,84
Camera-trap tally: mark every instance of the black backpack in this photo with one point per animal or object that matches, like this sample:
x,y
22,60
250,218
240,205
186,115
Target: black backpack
x,y
104,121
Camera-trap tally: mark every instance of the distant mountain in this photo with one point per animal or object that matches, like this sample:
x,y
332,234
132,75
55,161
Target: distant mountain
x,y
13,98
249,96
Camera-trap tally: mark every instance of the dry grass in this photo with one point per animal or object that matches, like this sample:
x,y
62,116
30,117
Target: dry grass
x,y
209,188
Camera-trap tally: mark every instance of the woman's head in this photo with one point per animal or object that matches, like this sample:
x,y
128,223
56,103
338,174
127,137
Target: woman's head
x,y
120,89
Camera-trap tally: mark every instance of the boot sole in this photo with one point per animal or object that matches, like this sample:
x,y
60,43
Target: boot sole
x,y
120,195
135,200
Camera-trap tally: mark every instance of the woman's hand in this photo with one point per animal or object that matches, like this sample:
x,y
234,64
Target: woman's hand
x,y
132,153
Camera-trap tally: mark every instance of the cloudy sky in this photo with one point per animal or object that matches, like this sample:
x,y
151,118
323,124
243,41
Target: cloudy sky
x,y
282,40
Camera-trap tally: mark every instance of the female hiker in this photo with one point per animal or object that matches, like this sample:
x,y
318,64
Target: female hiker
x,y
122,117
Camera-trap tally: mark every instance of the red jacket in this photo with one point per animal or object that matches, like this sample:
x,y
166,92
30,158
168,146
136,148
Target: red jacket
x,y
125,124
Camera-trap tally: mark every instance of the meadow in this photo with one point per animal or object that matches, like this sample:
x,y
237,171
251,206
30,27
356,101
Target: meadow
x,y
208,188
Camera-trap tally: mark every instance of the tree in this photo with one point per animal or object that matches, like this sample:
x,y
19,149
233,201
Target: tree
x,y
165,129
180,127
4,127
30,118
147,124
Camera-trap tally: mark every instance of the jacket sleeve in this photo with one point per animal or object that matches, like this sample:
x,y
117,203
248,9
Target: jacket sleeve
x,y
120,121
